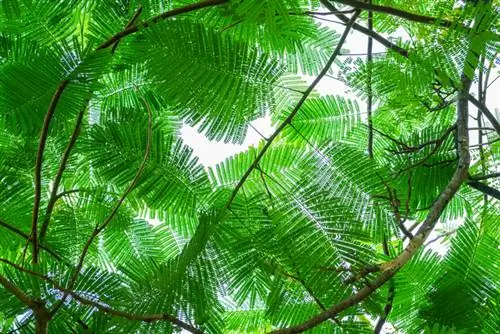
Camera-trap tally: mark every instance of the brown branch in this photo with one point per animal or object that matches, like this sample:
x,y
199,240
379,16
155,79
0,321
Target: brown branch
x,y
60,171
100,306
174,12
290,117
99,228
38,165
446,234
437,144
397,12
390,269
18,293
438,141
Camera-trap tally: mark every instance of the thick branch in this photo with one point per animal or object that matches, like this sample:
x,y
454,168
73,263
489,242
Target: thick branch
x,y
60,171
390,269
106,222
390,296
290,117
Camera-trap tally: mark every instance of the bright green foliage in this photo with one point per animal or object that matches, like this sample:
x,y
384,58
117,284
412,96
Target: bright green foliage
x,y
313,211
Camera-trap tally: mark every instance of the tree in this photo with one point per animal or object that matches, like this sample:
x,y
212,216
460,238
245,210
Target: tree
x,y
322,227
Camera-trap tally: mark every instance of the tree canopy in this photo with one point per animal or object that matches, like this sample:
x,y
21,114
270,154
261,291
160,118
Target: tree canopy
x,y
322,227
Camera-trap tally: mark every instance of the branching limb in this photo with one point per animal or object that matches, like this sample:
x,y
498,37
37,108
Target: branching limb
x,y
438,142
28,239
38,165
101,306
290,117
62,86
99,228
405,53
389,269
42,315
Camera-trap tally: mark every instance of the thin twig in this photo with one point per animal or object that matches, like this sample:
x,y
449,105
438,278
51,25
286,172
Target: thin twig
x,y
60,171
290,117
28,239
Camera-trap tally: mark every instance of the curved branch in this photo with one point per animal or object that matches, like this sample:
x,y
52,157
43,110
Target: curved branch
x,y
391,268
62,86
486,112
60,171
99,228
485,189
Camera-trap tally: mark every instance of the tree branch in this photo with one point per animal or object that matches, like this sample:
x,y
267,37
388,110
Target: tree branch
x,y
38,165
369,59
290,117
405,53
484,177
390,296
484,109
129,24
98,229
18,293
62,86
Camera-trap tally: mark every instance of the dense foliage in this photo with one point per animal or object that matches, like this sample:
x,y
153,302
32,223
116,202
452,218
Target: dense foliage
x,y
322,227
